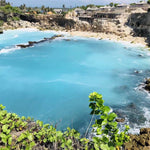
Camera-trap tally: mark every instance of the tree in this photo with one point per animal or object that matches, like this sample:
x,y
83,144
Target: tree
x,y
148,1
111,4
43,8
63,6
115,5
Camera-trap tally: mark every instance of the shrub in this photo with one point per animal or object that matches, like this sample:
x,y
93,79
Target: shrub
x,y
106,126
23,133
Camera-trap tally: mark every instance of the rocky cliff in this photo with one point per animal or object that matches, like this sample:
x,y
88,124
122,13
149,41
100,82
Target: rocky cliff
x,y
123,24
140,23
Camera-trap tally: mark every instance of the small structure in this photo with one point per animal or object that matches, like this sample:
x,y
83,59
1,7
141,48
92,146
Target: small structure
x,y
86,18
80,12
104,9
142,5
105,15
58,10
122,6
92,9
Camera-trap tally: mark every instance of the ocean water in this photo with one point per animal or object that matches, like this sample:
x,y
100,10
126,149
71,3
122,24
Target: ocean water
x,y
51,81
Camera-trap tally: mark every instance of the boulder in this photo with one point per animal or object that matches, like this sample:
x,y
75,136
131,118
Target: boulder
x,y
120,119
147,87
23,46
147,81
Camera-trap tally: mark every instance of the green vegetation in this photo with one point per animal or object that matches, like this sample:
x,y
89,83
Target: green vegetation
x,y
148,1
90,5
106,126
8,9
24,133
1,22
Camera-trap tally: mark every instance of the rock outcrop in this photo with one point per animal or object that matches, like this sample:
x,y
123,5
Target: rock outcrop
x,y
32,43
147,85
139,142
1,30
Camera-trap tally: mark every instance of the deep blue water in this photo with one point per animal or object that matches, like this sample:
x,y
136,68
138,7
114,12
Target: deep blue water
x,y
51,81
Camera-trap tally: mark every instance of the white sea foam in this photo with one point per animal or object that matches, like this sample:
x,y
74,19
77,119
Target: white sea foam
x,y
146,124
8,50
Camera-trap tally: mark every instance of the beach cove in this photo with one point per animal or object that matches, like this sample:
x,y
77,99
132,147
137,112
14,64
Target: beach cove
x,y
65,79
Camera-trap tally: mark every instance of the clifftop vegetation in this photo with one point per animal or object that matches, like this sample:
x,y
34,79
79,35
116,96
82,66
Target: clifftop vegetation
x,y
24,133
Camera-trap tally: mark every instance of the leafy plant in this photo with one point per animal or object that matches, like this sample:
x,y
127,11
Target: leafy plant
x,y
106,127
24,133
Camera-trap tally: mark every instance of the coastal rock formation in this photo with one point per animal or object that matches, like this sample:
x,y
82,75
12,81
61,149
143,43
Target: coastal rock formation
x,y
125,26
1,31
120,119
140,23
108,23
19,24
32,43
147,84
139,142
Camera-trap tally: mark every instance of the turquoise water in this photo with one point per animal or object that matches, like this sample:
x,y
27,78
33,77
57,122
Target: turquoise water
x,y
51,81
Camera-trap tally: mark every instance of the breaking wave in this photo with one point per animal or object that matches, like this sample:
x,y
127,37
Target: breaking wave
x,y
8,50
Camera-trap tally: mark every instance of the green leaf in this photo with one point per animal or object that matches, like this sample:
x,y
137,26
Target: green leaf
x,y
3,138
111,116
2,107
22,137
23,118
30,136
104,147
5,129
9,140
106,109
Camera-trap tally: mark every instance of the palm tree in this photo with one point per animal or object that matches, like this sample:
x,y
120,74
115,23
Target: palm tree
x,y
43,8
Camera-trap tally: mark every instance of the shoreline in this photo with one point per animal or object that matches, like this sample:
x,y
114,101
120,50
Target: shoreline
x,y
137,41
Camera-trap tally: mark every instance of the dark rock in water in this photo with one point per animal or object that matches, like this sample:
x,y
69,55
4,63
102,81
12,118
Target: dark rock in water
x,y
136,71
23,46
132,105
147,81
147,87
31,43
120,119
1,31
140,55
67,39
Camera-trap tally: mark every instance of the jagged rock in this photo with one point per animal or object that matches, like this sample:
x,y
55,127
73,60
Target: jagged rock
x,y
147,81
145,131
142,141
31,43
147,142
120,119
128,146
1,31
146,148
147,87
22,46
